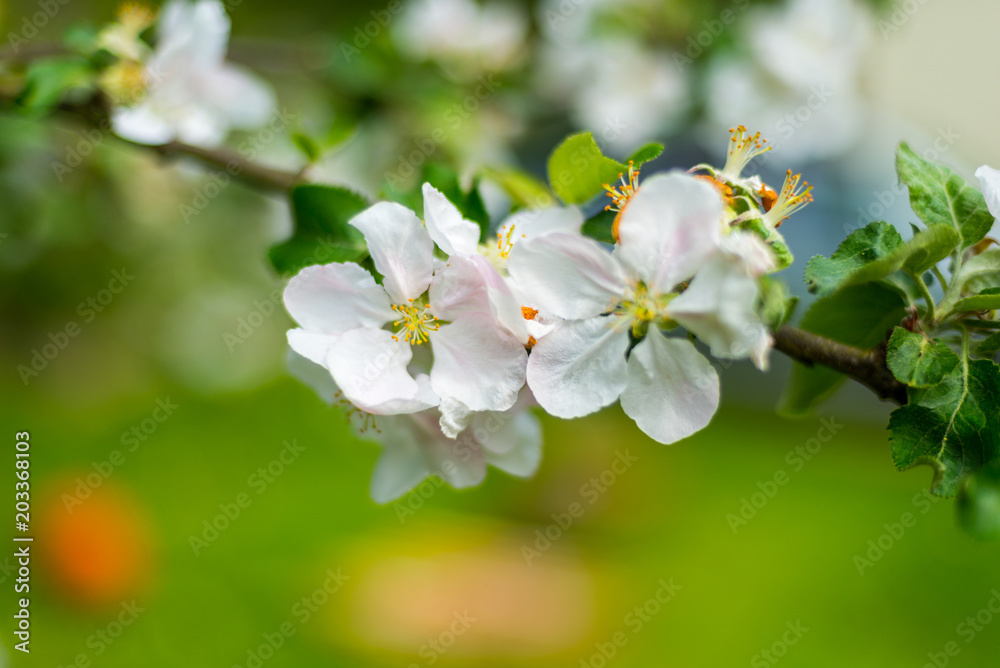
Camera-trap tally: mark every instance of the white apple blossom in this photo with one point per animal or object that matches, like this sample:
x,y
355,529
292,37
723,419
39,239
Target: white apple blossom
x,y
668,232
191,93
466,37
414,447
989,180
343,313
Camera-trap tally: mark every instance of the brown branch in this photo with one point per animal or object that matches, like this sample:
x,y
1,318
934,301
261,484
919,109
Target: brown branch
x,y
865,366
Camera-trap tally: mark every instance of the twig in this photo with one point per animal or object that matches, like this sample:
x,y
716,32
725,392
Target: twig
x,y
865,366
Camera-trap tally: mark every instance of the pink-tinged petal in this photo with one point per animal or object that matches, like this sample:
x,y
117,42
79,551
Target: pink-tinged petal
x,y
669,228
672,391
370,368
414,449
400,247
579,367
566,275
539,222
720,308
477,363
450,231
458,288
989,179
311,345
515,446
336,298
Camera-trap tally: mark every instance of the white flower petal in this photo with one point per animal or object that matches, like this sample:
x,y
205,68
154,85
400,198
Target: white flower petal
x,y
672,391
568,276
455,417
450,231
400,247
579,367
313,346
314,376
336,298
240,97
750,252
669,228
457,288
370,367
720,308
989,179
142,125
539,222
477,363
515,446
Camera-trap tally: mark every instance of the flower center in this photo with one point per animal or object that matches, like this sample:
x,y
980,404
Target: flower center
x,y
415,322
794,195
743,147
621,194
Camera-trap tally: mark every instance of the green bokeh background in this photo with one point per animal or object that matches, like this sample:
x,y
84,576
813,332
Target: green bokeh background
x,y
411,566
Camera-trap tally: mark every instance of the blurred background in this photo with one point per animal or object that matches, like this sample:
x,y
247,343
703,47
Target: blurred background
x,y
194,505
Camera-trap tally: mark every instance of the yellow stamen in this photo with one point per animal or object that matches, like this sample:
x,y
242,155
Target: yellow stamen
x,y
743,147
795,194
415,324
620,195
528,313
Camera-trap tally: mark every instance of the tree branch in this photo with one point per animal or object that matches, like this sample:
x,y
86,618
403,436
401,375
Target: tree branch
x,y
868,367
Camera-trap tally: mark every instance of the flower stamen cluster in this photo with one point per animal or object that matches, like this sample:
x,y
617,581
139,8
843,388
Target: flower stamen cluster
x,y
415,324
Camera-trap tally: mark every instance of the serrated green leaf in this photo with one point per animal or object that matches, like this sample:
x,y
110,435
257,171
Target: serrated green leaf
x,y
859,315
874,241
914,257
978,503
578,169
599,227
954,427
526,191
646,153
322,234
979,274
918,361
941,197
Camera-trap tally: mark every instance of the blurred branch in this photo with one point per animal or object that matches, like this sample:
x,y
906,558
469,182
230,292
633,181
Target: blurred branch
x,y
867,367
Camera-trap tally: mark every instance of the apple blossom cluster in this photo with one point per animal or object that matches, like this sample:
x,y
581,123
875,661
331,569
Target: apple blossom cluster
x,y
440,351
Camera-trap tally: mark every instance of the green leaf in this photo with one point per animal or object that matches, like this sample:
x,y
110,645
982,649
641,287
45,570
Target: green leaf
x,y
48,82
599,227
980,302
941,197
914,257
989,347
526,191
872,242
979,274
322,234
953,427
308,147
578,170
918,361
859,315
645,154
978,503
